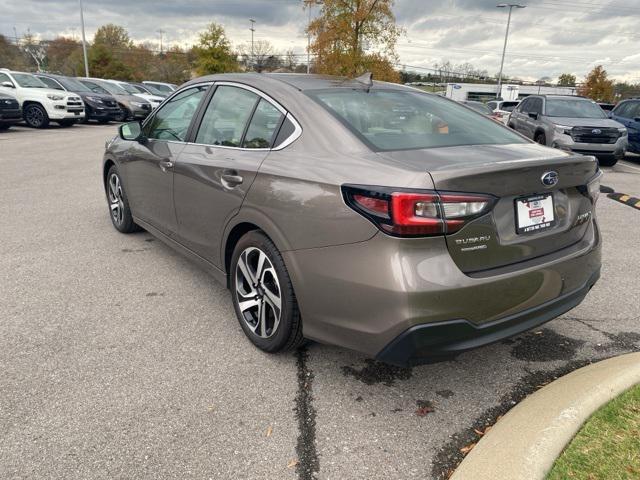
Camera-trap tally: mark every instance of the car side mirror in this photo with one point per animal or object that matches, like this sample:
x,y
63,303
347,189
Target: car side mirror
x,y
131,131
533,115
8,85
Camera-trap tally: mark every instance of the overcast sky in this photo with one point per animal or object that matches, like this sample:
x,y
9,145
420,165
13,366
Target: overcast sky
x,y
547,38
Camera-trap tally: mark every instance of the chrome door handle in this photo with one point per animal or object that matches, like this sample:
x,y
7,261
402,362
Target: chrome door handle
x,y
164,166
230,178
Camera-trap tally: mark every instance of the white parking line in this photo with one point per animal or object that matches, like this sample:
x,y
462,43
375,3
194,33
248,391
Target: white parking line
x,y
623,163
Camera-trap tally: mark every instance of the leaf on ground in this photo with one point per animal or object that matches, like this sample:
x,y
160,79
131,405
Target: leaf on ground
x,y
292,463
423,411
467,449
269,431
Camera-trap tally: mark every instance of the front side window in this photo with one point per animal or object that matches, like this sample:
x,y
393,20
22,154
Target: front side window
x,y
535,106
26,80
74,85
172,121
400,120
226,116
266,119
573,108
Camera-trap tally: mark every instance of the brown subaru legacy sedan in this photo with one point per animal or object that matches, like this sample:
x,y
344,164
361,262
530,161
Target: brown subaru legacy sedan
x,y
362,214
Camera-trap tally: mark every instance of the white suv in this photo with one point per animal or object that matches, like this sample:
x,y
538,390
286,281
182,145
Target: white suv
x,y
41,104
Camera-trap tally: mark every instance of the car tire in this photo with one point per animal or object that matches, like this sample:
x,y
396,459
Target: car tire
x,y
607,162
541,138
67,123
258,291
4,126
104,121
36,116
119,210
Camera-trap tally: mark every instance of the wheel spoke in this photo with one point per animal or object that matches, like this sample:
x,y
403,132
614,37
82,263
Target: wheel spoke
x,y
262,319
245,305
244,269
274,299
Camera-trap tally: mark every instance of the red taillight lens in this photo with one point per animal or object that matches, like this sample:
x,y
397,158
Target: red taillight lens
x,y
411,213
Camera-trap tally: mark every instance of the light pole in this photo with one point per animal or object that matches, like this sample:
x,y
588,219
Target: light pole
x,y
252,28
84,43
506,36
309,41
161,32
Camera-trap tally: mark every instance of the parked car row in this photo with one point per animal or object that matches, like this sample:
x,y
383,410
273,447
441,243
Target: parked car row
x,y
41,98
571,123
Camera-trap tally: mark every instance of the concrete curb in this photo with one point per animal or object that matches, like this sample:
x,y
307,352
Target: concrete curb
x,y
525,443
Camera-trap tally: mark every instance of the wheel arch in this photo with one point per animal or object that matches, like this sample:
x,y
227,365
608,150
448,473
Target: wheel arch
x,y
108,163
538,131
243,223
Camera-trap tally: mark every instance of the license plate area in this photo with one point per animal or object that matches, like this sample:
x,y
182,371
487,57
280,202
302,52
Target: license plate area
x,y
534,213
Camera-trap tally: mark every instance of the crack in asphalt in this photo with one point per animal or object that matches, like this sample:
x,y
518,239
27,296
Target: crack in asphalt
x,y
308,463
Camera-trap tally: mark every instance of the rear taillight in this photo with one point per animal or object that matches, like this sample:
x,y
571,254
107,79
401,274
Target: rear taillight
x,y
413,213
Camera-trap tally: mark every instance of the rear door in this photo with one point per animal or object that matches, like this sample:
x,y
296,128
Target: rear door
x,y
631,120
216,169
148,167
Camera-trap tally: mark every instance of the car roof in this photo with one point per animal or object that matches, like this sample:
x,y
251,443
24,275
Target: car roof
x,y
299,81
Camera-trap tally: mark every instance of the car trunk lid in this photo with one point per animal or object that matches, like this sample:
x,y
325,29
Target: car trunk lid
x,y
511,173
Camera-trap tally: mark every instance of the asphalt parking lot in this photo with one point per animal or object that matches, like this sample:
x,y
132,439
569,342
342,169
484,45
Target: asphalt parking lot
x,y
121,359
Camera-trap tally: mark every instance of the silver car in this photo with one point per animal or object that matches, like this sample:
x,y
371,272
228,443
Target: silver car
x,y
361,214
571,123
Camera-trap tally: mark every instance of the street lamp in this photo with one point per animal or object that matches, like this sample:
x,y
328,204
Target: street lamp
x,y
511,6
253,29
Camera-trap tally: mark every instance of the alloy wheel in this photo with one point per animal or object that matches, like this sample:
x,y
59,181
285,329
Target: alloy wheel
x,y
258,292
116,202
35,116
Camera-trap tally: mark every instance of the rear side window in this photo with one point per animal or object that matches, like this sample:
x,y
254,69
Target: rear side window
x,y
389,120
226,116
264,123
172,121
535,105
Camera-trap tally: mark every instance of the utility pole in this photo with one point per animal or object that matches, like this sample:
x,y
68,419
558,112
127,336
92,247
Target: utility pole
x,y
84,43
506,36
161,32
15,34
309,42
252,28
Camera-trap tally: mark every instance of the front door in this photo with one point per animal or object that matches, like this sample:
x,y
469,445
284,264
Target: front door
x,y
214,173
148,168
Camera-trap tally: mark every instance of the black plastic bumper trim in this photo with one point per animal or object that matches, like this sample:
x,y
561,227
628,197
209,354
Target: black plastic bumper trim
x,y
434,342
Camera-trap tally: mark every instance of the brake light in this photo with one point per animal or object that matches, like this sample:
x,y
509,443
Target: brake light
x,y
411,213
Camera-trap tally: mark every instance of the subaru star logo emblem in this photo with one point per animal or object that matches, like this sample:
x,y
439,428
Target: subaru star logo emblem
x,y
549,179
596,131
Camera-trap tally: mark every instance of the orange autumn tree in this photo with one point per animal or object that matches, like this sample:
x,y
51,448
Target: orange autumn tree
x,y
351,37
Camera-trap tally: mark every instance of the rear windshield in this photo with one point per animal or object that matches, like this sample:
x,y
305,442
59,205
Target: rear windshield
x,y
508,106
389,120
111,87
568,107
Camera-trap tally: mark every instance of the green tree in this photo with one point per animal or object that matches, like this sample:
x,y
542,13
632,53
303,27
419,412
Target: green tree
x,y
567,80
346,29
213,52
597,86
113,36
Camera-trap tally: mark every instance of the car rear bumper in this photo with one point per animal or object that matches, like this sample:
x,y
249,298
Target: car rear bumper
x,y
434,342
364,296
